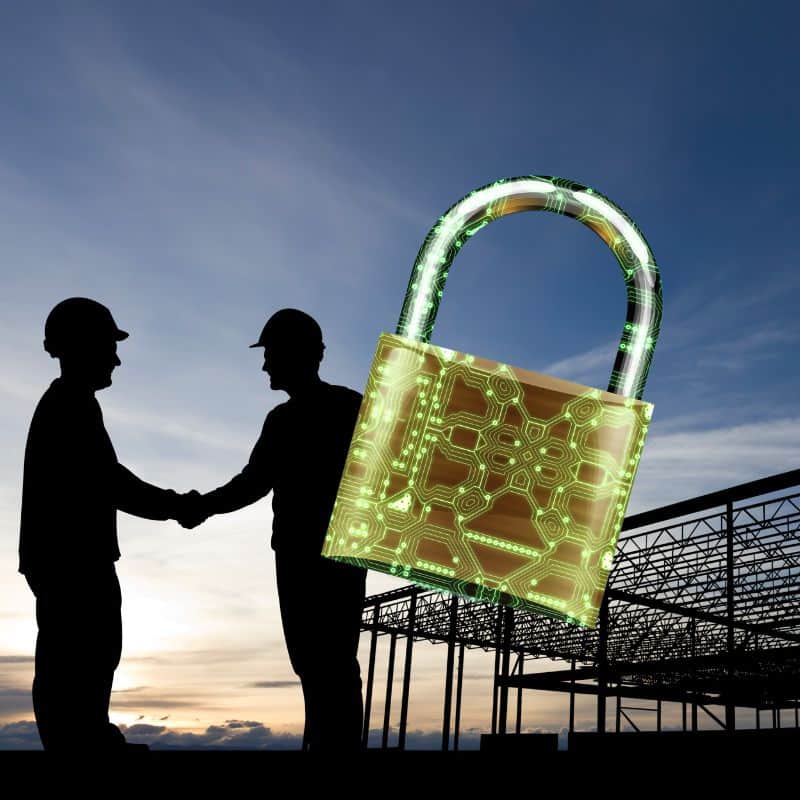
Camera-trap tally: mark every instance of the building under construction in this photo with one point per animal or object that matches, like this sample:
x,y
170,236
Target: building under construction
x,y
702,609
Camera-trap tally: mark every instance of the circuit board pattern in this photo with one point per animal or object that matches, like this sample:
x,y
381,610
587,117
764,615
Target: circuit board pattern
x,y
486,480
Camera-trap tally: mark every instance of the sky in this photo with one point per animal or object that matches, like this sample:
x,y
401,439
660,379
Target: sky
x,y
196,166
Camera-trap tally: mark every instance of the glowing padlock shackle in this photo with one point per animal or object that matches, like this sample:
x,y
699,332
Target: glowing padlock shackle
x,y
562,196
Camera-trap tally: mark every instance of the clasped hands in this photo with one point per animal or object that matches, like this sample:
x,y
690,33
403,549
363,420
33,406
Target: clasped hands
x,y
191,509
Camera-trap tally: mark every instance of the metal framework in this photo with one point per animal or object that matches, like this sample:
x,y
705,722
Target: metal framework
x,y
702,608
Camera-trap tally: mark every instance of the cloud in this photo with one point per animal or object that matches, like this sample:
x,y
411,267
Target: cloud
x,y
21,735
16,659
239,723
469,739
271,684
152,703
582,368
231,735
15,700
684,464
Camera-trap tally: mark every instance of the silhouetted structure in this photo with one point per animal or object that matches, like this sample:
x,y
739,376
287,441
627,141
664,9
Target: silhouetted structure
x,y
702,609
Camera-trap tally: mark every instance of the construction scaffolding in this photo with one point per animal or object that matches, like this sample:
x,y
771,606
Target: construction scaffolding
x,y
702,609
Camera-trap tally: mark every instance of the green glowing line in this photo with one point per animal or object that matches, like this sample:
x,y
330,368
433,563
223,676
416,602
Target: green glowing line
x,y
533,193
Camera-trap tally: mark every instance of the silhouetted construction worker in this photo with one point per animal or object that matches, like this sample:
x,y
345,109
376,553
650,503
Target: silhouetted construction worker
x,y
300,456
72,488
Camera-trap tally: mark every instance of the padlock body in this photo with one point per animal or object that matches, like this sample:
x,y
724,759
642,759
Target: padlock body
x,y
488,481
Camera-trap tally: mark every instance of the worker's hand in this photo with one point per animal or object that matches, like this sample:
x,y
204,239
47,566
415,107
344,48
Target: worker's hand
x,y
191,510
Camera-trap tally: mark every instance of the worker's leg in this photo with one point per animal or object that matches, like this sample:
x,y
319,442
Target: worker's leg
x,y
77,650
322,627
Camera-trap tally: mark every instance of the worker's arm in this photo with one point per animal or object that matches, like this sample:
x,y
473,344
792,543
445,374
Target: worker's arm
x,y
254,481
135,496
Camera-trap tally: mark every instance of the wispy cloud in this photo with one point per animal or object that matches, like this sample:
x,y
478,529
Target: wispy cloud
x,y
15,700
584,367
272,684
681,465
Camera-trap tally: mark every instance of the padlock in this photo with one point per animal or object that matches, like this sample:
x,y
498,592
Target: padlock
x,y
492,482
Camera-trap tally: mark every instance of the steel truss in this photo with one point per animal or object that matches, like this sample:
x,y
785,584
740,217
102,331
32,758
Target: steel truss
x,y
702,608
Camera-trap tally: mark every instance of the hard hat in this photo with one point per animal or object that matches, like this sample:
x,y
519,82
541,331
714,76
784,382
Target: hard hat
x,y
293,325
78,321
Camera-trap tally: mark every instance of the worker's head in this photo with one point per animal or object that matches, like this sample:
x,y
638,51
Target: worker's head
x,y
293,348
83,336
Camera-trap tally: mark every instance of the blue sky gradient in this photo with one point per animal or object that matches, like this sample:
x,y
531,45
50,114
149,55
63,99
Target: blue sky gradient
x,y
197,166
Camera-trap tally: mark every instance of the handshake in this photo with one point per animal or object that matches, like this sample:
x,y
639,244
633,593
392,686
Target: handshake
x,y
190,509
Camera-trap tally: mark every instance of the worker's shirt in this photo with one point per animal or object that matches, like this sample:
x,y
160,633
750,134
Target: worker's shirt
x,y
300,456
73,485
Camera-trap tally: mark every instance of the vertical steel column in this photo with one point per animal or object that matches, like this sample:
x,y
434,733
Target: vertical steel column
x,y
693,631
572,699
508,625
730,706
758,718
658,716
373,646
459,684
412,619
602,665
521,662
448,681
498,632
684,716
387,709
619,707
